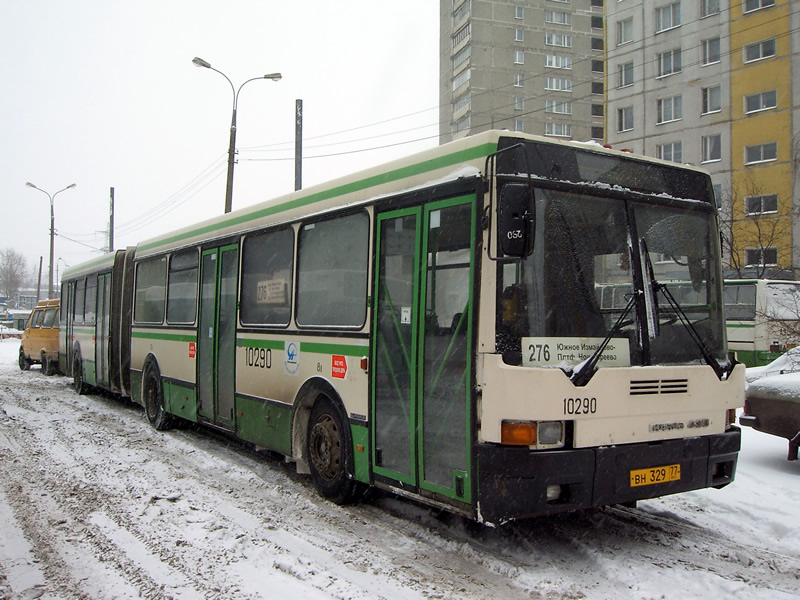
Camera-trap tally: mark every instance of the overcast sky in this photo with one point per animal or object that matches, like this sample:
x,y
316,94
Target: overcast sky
x,y
103,93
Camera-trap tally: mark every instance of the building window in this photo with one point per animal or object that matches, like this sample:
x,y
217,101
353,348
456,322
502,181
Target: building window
x,y
761,153
462,34
710,50
557,16
460,58
597,88
461,12
597,66
519,34
461,102
519,80
558,84
519,12
761,257
712,148
709,7
597,43
600,4
751,5
759,50
597,110
762,101
624,31
669,109
625,72
558,62
717,193
597,22
668,63
558,39
461,125
759,205
558,129
519,57
461,78
712,99
557,106
668,16
597,133
518,125
672,151
624,119
519,103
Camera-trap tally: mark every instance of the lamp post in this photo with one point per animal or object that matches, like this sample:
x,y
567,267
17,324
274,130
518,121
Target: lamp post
x,y
232,145
52,230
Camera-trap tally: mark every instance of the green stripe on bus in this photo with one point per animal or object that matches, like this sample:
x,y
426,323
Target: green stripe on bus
x,y
740,325
343,349
363,184
268,344
168,337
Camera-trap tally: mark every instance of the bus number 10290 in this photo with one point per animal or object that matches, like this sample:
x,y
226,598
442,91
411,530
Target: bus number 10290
x,y
580,406
259,358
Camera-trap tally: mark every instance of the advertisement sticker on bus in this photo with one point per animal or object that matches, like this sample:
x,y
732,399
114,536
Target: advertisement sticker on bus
x,y
338,366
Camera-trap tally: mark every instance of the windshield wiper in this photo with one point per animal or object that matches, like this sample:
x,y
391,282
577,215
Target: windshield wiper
x,y
687,323
584,372
653,319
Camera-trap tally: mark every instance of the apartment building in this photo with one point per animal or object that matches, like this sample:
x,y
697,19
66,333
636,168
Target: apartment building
x,y
716,83
523,65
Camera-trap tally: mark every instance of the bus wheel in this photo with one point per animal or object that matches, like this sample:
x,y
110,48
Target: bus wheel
x,y
24,362
328,454
77,376
153,397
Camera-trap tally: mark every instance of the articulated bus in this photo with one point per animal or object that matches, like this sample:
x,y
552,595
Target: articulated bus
x,y
763,318
433,328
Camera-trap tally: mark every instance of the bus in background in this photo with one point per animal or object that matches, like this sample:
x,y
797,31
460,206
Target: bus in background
x,y
762,318
431,327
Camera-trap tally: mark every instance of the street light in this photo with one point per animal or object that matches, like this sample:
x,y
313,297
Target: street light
x,y
232,146
52,230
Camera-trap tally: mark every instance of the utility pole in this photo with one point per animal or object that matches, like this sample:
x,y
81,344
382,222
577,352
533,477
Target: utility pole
x,y
298,144
111,223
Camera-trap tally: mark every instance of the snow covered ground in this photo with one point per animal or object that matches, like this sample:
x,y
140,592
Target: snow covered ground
x,y
94,504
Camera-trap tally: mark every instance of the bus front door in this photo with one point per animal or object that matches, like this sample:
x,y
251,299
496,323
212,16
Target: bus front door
x,y
422,370
216,334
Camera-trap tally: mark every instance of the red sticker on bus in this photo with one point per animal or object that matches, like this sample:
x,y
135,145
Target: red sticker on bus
x,y
192,349
338,366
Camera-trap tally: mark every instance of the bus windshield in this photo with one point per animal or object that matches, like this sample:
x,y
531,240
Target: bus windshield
x,y
642,274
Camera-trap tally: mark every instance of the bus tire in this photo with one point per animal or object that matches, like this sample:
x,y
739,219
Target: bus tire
x,y
81,387
153,398
328,450
24,361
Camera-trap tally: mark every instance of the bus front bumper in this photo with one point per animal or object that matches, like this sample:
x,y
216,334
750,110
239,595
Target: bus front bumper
x,y
517,483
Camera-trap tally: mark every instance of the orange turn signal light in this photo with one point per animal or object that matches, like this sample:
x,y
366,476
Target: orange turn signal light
x,y
516,433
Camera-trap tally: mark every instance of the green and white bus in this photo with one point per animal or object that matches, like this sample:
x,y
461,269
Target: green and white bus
x,y
432,327
763,318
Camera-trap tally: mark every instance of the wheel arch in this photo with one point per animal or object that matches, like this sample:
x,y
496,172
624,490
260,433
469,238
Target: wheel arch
x,y
304,401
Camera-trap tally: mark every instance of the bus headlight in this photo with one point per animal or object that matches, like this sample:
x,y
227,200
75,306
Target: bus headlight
x,y
538,434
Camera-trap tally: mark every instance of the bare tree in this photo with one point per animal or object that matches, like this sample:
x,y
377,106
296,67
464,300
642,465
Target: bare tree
x,y
13,272
760,233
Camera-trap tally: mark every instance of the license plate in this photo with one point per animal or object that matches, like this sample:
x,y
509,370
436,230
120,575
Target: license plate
x,y
655,475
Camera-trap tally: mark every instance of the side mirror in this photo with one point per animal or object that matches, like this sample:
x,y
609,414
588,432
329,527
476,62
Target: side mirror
x,y
516,220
